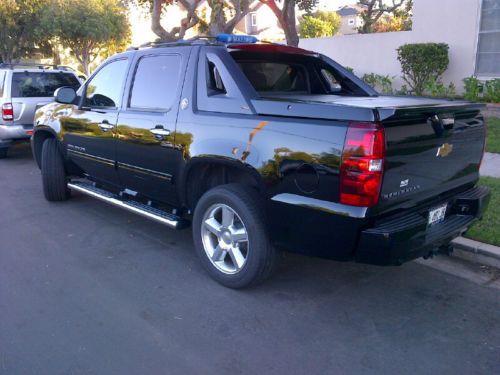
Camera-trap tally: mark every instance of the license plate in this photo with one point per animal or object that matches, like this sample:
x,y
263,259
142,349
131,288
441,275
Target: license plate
x,y
437,214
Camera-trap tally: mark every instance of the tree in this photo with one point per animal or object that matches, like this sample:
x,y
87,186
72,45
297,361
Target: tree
x,y
374,10
104,26
320,24
286,16
219,22
20,29
158,9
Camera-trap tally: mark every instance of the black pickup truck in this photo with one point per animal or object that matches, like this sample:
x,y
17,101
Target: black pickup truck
x,y
263,147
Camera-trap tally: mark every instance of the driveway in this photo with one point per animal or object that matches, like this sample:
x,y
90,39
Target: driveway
x,y
86,288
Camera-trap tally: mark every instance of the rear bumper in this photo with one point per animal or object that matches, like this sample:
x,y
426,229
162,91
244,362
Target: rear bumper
x,y
10,134
406,237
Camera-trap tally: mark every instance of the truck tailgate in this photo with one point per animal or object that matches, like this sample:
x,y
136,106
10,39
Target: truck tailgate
x,y
430,151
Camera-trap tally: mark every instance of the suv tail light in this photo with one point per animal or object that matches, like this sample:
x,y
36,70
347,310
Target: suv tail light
x,y
362,165
7,112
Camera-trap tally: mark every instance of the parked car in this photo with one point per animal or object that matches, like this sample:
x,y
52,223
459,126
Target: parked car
x,y
262,147
24,88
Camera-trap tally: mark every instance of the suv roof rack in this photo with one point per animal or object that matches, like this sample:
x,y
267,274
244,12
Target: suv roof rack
x,y
36,65
197,40
221,39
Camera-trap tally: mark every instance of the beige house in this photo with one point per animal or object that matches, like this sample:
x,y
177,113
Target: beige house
x,y
351,19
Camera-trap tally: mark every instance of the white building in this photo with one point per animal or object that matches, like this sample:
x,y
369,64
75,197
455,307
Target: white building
x,y
471,28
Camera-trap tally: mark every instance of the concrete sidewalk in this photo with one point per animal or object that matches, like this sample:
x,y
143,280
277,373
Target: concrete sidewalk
x,y
491,165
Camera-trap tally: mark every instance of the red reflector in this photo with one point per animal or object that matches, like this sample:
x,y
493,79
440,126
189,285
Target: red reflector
x,y
362,165
7,112
29,132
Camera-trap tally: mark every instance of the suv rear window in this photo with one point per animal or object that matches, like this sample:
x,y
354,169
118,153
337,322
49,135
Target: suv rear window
x,y
43,84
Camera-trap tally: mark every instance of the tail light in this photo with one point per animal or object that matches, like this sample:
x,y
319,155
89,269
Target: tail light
x,y
362,165
7,112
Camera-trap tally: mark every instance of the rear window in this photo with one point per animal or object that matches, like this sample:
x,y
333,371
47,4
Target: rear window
x,y
34,84
280,77
274,73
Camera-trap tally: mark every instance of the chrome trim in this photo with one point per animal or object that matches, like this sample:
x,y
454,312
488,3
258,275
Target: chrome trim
x,y
92,157
317,204
121,204
164,176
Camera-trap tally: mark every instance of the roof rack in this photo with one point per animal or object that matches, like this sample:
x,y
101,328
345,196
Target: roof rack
x,y
221,39
36,65
200,39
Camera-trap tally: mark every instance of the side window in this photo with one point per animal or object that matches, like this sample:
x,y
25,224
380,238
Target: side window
x,y
104,90
2,79
332,83
156,82
214,82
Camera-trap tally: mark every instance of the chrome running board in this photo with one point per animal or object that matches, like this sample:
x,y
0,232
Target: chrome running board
x,y
142,209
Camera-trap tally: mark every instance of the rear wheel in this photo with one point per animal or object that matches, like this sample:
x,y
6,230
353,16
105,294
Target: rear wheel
x,y
55,184
3,152
231,237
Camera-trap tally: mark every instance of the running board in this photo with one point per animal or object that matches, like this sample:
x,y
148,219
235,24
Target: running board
x,y
142,209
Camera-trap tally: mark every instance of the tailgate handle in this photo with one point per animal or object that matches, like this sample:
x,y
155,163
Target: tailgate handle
x,y
441,124
448,122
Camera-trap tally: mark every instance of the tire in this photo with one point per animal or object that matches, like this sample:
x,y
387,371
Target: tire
x,y
220,246
55,184
3,152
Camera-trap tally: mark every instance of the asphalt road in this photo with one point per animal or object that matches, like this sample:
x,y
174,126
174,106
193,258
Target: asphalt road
x,y
86,288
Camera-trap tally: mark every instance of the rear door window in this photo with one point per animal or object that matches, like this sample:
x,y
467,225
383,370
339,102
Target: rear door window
x,y
40,84
156,82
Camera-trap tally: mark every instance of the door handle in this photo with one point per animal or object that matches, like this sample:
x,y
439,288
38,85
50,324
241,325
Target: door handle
x,y
105,126
159,132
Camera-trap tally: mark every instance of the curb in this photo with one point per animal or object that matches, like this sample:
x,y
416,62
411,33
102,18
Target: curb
x,y
476,252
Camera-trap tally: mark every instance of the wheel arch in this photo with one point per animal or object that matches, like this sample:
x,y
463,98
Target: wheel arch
x,y
205,172
40,135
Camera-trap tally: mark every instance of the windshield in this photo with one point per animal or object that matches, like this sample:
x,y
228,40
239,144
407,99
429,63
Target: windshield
x,y
40,84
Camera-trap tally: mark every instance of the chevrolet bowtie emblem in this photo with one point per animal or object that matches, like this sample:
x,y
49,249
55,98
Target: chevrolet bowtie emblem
x,y
444,150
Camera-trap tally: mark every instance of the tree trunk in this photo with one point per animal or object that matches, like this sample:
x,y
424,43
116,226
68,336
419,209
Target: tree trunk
x,y
155,21
286,19
292,37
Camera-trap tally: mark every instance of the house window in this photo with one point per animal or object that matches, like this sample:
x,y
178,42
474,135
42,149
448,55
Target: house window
x,y
254,19
351,21
488,49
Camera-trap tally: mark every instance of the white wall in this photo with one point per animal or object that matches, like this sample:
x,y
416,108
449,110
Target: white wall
x,y
454,22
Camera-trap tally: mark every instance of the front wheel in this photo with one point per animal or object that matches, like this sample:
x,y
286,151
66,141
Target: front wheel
x,y
230,236
55,184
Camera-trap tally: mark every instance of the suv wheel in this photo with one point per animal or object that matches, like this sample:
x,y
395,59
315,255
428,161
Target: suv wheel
x,y
230,236
55,184
3,152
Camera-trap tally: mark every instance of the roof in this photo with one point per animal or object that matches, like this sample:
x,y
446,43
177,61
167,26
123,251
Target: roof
x,y
350,10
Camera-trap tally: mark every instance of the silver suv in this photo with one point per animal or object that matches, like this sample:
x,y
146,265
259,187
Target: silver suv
x,y
23,89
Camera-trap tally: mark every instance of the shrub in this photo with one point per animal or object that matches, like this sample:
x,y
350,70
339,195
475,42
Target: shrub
x,y
437,88
472,88
320,24
492,91
379,82
422,62
312,27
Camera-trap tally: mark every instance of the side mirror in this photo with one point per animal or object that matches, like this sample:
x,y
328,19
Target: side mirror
x,y
65,95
